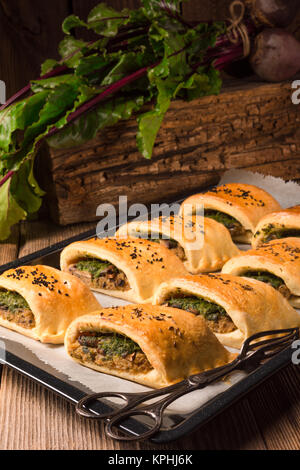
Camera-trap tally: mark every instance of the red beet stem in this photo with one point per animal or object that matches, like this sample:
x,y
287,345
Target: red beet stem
x,y
109,91
232,56
25,90
6,178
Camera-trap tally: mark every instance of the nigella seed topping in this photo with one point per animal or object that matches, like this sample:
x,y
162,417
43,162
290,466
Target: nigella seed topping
x,y
36,278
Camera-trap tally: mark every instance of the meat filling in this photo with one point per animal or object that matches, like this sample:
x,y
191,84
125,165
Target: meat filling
x,y
15,309
168,243
100,274
112,351
172,245
234,226
271,279
215,315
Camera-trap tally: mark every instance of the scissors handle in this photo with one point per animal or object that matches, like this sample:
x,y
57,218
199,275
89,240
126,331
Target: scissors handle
x,y
131,400
155,412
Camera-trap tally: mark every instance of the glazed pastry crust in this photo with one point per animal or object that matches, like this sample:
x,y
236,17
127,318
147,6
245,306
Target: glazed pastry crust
x,y
146,264
246,203
252,305
279,257
287,218
177,346
53,312
206,243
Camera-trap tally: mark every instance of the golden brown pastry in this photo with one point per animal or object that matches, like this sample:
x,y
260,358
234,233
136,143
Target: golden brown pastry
x,y
238,206
130,269
234,308
202,244
41,302
277,225
277,263
154,346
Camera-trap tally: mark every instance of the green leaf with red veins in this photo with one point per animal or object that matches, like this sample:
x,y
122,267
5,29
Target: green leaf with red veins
x,y
106,21
10,211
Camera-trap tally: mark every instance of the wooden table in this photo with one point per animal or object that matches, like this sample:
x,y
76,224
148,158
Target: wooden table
x,y
34,418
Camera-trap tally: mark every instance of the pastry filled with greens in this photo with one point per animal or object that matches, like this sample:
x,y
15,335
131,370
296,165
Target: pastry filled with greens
x,y
276,263
152,345
239,207
41,302
277,226
130,269
202,244
234,308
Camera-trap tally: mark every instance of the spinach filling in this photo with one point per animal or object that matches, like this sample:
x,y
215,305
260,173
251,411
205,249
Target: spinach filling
x,y
12,301
169,242
96,267
209,310
273,233
266,277
109,345
160,238
222,218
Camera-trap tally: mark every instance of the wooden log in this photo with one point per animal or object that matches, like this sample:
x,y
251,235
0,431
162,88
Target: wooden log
x,y
251,125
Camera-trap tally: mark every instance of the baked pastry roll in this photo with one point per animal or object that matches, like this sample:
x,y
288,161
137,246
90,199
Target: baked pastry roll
x,y
202,244
277,225
129,269
277,263
154,346
233,307
41,302
237,206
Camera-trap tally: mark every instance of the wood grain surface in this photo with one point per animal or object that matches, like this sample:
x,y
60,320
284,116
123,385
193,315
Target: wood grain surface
x,y
34,418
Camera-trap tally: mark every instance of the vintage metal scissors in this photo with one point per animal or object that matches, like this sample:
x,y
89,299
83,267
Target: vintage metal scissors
x,y
255,351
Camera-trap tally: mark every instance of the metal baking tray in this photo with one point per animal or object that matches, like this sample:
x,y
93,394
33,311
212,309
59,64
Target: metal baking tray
x,y
24,361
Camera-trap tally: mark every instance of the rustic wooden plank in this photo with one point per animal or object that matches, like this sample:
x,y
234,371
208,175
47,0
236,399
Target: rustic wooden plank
x,y
37,235
28,36
9,248
276,407
31,408
253,125
223,433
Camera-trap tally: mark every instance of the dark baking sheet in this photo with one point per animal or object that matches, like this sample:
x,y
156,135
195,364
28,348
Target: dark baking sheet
x,y
176,426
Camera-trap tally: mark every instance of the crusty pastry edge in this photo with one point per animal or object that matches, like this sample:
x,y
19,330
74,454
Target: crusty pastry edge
x,y
288,272
170,364
141,291
286,218
274,313
247,215
200,260
51,323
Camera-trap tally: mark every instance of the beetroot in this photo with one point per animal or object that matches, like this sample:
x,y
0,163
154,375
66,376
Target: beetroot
x,y
276,55
273,12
